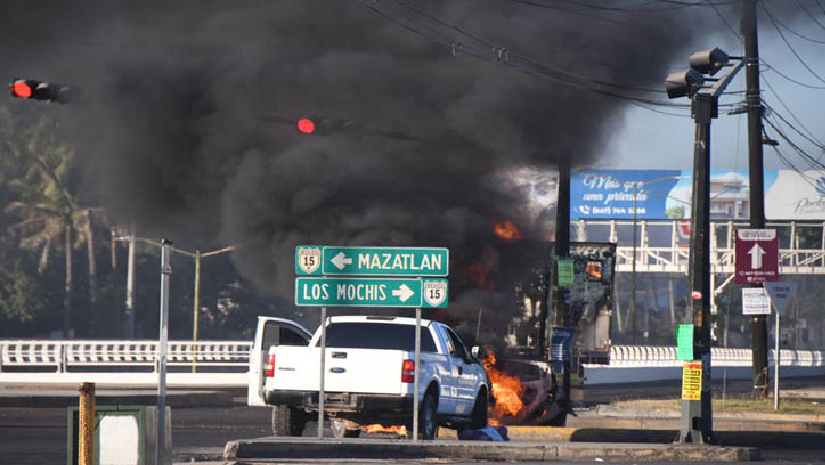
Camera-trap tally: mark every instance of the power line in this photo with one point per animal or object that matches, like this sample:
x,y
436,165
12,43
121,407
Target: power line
x,y
787,108
810,15
796,33
790,79
790,47
813,141
503,58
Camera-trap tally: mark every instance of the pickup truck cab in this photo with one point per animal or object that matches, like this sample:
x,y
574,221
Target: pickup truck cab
x,y
369,372
270,332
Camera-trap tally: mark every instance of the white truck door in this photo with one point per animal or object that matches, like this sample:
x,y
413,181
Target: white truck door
x,y
463,374
270,331
444,366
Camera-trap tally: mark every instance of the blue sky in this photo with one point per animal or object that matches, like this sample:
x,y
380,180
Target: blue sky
x,y
650,140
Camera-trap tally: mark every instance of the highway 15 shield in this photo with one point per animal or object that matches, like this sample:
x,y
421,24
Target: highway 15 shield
x,y
435,292
307,259
757,256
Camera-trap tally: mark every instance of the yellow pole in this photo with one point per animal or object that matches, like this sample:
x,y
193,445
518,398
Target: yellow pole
x,y
197,305
86,420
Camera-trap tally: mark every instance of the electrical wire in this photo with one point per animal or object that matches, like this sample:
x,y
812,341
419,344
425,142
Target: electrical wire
x,y
810,15
798,34
813,141
788,78
790,47
787,108
503,59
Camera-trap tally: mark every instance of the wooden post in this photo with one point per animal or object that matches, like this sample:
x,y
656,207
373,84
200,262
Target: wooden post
x,y
86,420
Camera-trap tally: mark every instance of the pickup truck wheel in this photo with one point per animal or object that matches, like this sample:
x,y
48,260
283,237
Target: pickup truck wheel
x,y
287,421
339,430
427,419
479,415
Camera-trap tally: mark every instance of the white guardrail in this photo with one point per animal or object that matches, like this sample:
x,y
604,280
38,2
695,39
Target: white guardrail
x,y
78,354
635,364
63,362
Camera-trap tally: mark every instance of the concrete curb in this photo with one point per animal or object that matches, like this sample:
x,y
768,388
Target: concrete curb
x,y
269,448
665,436
640,412
719,424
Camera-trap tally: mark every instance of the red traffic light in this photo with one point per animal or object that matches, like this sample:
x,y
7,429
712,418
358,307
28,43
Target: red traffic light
x,y
306,126
21,89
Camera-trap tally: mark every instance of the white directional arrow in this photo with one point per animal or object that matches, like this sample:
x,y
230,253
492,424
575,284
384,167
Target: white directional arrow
x,y
403,293
341,260
756,253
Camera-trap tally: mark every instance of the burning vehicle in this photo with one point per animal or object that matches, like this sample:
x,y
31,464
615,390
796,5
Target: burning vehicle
x,y
524,391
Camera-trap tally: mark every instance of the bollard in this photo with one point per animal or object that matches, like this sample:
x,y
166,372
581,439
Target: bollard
x,y
86,420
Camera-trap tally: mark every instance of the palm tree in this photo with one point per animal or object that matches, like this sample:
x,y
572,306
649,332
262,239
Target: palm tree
x,y
47,207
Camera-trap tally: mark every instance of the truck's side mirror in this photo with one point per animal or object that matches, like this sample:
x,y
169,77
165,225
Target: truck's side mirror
x,y
478,352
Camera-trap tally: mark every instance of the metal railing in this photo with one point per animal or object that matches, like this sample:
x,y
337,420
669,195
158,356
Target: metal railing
x,y
663,245
645,356
76,354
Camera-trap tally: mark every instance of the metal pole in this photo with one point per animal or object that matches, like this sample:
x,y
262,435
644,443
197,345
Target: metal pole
x,y
165,277
323,368
759,327
415,376
562,251
86,424
197,307
776,362
697,417
130,285
633,272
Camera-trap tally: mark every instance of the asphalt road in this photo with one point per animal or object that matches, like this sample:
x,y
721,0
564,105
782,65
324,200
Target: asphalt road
x,y
38,436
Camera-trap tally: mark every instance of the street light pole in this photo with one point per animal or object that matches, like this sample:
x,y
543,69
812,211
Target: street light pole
x,y
633,272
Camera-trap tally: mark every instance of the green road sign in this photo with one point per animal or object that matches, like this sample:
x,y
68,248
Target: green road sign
x,y
684,342
566,273
312,291
371,261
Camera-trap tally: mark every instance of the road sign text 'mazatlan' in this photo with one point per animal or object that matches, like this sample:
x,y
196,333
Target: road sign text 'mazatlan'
x,y
371,261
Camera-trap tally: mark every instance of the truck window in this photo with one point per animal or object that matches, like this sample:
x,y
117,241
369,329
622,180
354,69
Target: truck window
x,y
377,336
460,351
290,337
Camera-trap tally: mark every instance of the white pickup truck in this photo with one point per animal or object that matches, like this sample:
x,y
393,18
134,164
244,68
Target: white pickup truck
x,y
369,370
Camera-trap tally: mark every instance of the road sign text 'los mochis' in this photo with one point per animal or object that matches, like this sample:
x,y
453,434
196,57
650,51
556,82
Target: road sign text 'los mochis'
x,y
371,261
312,291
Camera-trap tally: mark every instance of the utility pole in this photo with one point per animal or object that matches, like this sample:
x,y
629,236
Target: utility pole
x,y
697,416
562,251
759,328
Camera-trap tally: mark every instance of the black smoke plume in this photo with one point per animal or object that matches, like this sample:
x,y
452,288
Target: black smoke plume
x,y
185,127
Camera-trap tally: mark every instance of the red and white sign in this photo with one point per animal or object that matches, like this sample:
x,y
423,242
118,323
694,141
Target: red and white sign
x,y
757,256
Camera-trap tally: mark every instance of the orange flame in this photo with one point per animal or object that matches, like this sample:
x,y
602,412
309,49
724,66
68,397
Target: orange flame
x,y
379,428
507,230
506,390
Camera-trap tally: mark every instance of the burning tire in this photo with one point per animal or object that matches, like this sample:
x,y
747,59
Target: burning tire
x,y
287,421
340,430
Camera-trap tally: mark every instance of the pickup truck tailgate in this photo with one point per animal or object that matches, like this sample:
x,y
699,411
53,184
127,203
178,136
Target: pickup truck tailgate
x,y
347,370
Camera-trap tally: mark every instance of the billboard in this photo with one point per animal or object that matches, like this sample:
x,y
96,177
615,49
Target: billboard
x,y
666,194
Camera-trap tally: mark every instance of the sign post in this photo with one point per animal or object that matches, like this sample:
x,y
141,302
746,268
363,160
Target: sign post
x,y
416,279
781,296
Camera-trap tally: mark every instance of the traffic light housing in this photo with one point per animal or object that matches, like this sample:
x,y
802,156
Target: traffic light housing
x,y
323,126
41,90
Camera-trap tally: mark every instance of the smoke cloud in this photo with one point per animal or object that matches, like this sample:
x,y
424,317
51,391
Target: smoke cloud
x,y
185,125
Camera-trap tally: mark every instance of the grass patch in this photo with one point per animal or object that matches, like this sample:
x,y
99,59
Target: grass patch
x,y
790,407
